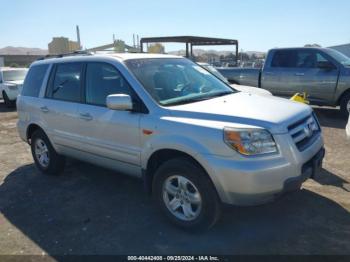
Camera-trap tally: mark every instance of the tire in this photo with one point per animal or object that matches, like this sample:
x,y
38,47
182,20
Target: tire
x,y
345,105
204,214
8,102
50,162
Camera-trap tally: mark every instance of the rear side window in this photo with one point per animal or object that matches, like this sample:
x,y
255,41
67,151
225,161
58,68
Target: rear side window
x,y
34,80
284,58
66,83
102,80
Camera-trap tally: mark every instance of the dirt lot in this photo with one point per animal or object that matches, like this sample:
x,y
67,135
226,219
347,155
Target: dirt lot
x,y
90,210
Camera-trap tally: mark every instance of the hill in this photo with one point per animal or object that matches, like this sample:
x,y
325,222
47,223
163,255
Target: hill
x,y
11,50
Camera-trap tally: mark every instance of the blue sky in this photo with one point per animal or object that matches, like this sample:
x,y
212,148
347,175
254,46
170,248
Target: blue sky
x,y
258,25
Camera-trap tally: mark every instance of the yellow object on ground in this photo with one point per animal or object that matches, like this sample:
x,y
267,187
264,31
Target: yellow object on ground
x,y
302,98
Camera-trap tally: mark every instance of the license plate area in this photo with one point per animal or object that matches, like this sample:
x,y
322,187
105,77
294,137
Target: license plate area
x,y
314,165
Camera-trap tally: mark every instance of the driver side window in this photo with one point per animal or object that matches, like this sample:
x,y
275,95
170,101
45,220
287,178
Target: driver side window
x,y
306,59
320,58
103,79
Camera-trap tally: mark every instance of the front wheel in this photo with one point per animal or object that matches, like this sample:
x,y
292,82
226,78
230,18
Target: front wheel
x,y
46,159
345,105
186,195
9,103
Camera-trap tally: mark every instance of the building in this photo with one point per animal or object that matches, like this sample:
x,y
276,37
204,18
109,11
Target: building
x,y
61,45
345,49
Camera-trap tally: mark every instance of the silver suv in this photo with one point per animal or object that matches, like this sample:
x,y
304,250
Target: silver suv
x,y
194,140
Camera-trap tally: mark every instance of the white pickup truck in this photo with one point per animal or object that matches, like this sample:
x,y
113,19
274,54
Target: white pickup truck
x,y
11,81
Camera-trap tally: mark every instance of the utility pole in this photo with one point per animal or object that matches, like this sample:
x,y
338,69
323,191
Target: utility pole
x,y
78,37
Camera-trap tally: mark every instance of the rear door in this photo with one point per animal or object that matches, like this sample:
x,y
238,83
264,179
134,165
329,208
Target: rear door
x,y
110,134
279,75
60,106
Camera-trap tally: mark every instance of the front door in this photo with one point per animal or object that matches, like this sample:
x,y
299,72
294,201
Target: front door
x,y
318,83
109,134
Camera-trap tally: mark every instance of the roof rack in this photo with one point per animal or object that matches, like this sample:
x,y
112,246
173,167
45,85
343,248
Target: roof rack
x,y
75,53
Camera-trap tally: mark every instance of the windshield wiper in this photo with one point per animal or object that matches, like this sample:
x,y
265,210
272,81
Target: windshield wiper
x,y
185,101
221,94
197,99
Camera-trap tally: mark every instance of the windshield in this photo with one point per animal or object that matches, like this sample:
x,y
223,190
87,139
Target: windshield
x,y
14,75
340,57
173,81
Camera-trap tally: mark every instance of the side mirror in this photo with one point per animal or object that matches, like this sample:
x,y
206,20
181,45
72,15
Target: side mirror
x,y
326,65
120,102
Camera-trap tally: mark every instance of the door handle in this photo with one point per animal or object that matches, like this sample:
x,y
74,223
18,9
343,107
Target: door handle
x,y
299,74
44,109
86,116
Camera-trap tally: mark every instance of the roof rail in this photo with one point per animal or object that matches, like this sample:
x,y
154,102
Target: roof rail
x,y
75,53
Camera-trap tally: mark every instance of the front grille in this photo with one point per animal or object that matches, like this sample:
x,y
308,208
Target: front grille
x,y
304,132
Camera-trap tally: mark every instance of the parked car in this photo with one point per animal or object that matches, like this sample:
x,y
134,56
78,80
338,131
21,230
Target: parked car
x,y
324,74
11,81
194,140
248,89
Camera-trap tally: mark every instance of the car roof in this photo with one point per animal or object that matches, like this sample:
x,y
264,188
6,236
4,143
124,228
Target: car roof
x,y
299,48
127,56
117,56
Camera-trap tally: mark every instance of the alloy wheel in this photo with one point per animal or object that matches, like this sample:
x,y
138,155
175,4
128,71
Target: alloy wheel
x,y
182,198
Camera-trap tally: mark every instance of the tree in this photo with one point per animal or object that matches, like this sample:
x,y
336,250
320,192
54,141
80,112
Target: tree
x,y
253,57
156,49
14,65
243,56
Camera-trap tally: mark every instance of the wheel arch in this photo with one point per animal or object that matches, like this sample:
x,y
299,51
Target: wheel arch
x,y
31,129
159,157
342,95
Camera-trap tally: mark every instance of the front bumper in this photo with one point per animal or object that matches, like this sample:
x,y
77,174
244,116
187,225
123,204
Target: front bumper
x,y
257,181
308,170
12,93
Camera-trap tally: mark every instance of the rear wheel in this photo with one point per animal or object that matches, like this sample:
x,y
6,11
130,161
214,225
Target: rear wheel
x,y
186,195
345,105
46,159
9,103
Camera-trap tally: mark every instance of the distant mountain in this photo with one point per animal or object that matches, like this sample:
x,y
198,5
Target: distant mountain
x,y
11,50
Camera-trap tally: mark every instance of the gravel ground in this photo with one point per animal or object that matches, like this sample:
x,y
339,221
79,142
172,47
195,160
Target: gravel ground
x,y
90,210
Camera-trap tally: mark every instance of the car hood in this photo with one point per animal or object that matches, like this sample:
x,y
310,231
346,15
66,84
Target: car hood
x,y
252,90
15,82
243,110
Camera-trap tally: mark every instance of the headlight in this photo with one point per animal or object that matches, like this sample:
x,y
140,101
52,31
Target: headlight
x,y
250,141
